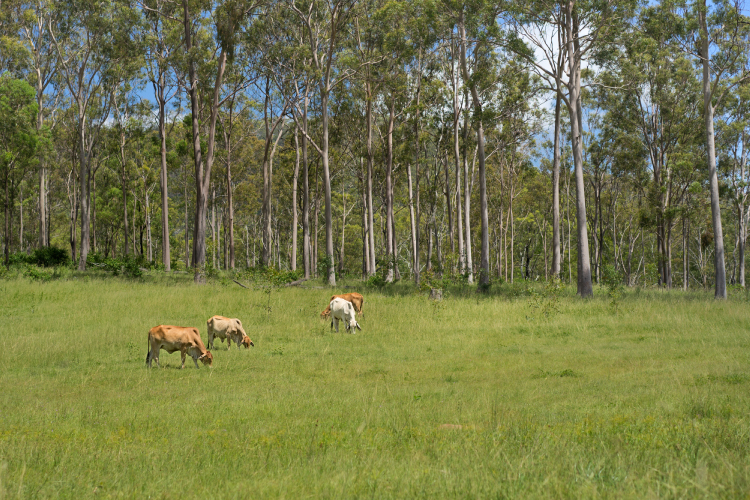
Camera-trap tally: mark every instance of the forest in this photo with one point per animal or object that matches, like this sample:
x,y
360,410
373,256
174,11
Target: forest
x,y
483,142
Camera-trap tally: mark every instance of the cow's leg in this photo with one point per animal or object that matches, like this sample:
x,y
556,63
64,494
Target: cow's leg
x,y
183,353
229,342
210,339
336,320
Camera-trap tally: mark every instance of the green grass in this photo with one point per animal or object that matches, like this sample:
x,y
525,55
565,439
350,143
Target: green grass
x,y
653,401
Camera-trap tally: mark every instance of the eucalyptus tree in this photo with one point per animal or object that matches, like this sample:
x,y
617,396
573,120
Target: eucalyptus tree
x,y
733,137
367,37
652,94
286,50
451,68
88,36
540,25
399,56
14,53
209,28
718,39
477,21
18,139
35,19
323,23
160,41
584,30
124,104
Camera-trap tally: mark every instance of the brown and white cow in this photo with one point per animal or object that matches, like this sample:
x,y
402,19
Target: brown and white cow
x,y
185,339
356,299
229,329
343,310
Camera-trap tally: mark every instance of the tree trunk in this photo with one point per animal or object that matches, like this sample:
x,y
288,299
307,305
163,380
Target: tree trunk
x,y
343,228
370,160
448,210
267,182
306,249
415,210
556,255
213,227
202,178
123,179
43,235
295,219
327,187
229,260
484,274
84,193
6,243
412,219
366,228
165,245
187,221
247,248
585,286
150,255
467,197
720,291
389,246
742,237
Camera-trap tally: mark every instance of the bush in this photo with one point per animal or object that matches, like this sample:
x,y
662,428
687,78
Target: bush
x,y
129,265
42,257
50,257
376,281
269,276
36,274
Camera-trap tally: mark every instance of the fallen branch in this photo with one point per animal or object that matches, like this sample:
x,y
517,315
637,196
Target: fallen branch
x,y
298,282
243,286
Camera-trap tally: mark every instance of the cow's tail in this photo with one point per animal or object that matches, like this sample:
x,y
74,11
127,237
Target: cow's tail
x,y
148,351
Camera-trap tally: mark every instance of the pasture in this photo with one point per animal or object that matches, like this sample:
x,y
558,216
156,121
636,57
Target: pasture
x,y
472,397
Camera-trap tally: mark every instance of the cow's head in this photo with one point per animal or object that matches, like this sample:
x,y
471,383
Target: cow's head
x,y
247,342
207,358
353,324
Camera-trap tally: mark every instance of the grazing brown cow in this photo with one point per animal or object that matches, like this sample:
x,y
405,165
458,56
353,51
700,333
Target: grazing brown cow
x,y
355,298
229,329
187,340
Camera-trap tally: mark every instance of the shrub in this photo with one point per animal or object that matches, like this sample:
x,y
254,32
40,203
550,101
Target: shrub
x,y
376,281
50,257
42,257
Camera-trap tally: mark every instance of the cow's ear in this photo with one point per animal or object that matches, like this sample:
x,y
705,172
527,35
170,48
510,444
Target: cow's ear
x,y
359,327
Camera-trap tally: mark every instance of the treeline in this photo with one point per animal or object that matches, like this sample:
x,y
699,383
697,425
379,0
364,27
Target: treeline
x,y
585,140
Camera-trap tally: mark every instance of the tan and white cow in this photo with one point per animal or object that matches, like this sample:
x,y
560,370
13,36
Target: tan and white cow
x,y
355,298
185,339
229,329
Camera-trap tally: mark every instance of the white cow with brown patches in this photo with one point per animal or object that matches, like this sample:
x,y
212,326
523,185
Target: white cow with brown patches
x,y
343,310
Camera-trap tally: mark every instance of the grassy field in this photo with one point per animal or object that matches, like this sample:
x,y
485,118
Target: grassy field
x,y
472,397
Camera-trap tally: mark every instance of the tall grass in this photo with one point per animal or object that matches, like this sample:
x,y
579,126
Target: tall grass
x,y
472,397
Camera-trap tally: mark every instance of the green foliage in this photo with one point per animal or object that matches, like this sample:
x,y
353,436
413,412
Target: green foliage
x,y
36,274
43,257
129,265
264,276
324,263
613,279
545,302
375,281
